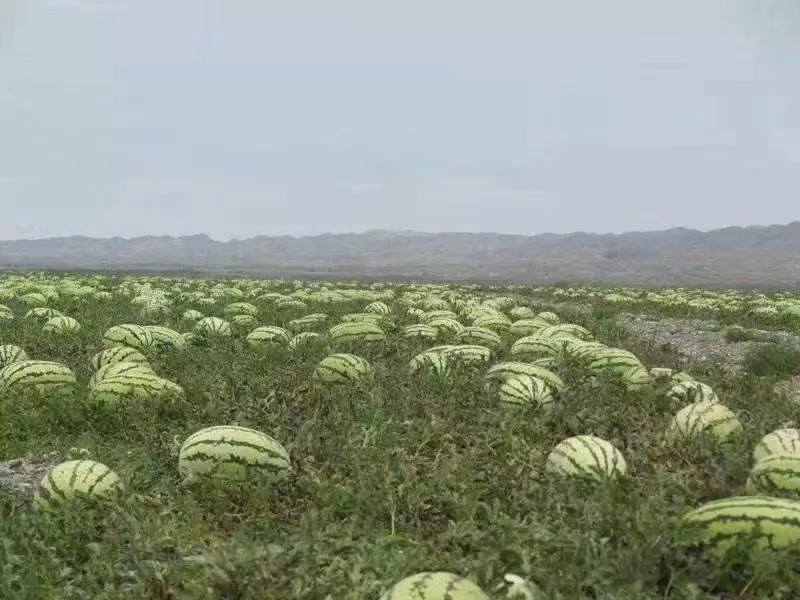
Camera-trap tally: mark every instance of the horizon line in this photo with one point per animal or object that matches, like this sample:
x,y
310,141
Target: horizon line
x,y
395,231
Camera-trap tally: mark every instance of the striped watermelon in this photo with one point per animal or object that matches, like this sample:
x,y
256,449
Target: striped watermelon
x,y
240,308
291,304
692,391
432,362
420,330
480,336
165,337
117,354
303,339
42,375
243,321
77,478
502,371
586,351
536,346
524,390
11,354
363,317
771,523
42,313
233,453
522,312
438,585
33,299
446,325
131,335
342,368
698,417
356,332
635,377
213,327
468,354
423,359
586,456
111,389
269,335
551,317
436,304
416,313
135,372
377,307
779,442
776,475
61,325
524,327
192,315
569,330
434,315
615,359
308,321
496,322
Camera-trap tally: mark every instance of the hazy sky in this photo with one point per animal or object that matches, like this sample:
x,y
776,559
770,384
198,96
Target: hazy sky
x,y
245,117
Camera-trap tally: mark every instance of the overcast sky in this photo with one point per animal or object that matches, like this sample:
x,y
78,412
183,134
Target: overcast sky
x,y
244,117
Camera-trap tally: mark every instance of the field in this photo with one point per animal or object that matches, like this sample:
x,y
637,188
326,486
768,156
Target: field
x,y
410,464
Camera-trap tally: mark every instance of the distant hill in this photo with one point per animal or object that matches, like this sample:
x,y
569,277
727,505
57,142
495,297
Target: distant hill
x,y
734,256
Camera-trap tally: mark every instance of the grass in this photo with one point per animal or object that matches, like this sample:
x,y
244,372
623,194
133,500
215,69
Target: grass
x,y
737,333
768,360
391,477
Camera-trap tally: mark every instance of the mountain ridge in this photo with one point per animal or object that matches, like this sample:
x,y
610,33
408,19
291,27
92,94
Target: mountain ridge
x,y
757,255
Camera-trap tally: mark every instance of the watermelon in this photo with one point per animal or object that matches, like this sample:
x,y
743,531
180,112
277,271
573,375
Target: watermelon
x,y
165,337
11,354
535,346
342,368
192,315
502,371
438,585
135,372
771,523
586,456
530,326
61,325
307,322
302,339
479,336
270,335
377,307
356,331
713,417
692,391
213,327
775,475
117,354
420,330
77,478
232,453
44,376
496,322
134,336
779,442
524,390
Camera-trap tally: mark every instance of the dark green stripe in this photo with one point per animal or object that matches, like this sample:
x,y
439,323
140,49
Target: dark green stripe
x,y
235,443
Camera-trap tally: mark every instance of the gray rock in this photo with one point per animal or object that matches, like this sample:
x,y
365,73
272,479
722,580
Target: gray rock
x,y
23,475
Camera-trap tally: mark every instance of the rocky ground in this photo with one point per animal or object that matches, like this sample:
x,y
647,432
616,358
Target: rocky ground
x,y
23,474
697,340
